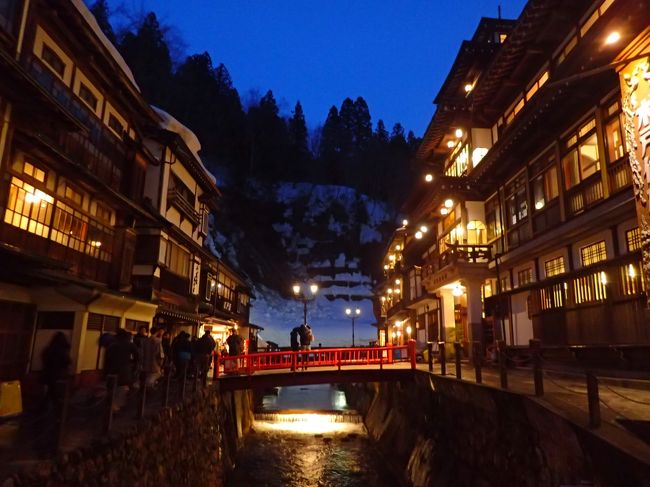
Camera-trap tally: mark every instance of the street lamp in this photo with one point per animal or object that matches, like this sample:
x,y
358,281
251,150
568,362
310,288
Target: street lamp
x,y
352,314
302,296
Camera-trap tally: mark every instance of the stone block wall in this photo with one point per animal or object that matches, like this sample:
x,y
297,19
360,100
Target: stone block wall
x,y
439,431
193,444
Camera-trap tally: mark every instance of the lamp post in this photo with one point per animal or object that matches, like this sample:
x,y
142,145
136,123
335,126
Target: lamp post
x,y
352,314
302,296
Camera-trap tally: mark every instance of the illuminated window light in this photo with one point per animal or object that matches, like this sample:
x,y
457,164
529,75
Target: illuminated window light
x,y
631,271
458,133
603,278
418,235
613,38
428,178
449,203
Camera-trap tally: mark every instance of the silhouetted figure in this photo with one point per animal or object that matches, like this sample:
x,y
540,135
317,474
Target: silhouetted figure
x,y
293,338
166,343
204,348
306,336
152,356
120,359
235,343
56,360
182,353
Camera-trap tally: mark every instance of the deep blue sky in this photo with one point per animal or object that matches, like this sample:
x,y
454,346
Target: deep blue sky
x,y
394,53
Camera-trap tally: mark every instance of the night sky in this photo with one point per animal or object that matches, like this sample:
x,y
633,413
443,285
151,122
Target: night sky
x,y
394,53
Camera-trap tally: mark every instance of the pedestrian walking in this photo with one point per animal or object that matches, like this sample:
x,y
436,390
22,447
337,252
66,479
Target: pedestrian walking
x,y
152,356
182,353
56,361
120,357
204,349
306,337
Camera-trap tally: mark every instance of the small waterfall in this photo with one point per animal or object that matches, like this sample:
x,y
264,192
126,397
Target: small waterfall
x,y
310,422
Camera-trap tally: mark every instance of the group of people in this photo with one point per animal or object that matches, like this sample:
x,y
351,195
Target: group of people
x,y
303,333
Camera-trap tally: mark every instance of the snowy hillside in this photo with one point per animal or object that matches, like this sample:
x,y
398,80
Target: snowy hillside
x,y
328,235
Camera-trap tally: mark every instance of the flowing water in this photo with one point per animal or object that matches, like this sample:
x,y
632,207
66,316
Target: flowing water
x,y
307,437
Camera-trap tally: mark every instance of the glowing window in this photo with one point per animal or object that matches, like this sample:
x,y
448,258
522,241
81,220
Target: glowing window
x,y
28,208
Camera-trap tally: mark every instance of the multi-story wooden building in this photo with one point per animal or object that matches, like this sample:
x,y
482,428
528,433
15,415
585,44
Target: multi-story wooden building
x,y
104,202
524,224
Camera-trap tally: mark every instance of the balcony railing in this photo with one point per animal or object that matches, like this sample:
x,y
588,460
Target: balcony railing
x,y
174,197
100,151
454,255
585,195
619,175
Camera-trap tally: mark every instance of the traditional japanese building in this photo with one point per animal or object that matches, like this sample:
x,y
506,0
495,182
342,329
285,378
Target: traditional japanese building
x,y
524,224
104,201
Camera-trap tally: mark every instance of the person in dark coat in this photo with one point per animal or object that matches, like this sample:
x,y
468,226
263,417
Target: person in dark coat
x,y
121,356
293,338
204,349
56,361
182,353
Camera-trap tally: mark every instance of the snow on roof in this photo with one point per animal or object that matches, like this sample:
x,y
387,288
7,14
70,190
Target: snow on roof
x,y
168,122
92,23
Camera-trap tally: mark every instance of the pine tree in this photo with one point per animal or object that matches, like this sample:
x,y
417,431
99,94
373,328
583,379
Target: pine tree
x,y
362,126
381,134
147,53
329,141
298,131
347,115
102,13
397,135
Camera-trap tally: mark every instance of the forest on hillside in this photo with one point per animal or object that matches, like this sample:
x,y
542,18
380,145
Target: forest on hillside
x,y
251,141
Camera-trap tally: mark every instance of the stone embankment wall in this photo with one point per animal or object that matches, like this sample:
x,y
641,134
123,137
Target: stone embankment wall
x,y
193,444
437,431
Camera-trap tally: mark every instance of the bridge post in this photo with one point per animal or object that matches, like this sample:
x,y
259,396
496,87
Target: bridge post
x,y
338,359
593,400
443,358
538,374
457,352
381,360
503,370
294,361
249,364
478,361
430,351
411,351
390,353
215,371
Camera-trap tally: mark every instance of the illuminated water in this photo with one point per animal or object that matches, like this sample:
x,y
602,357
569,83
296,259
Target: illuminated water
x,y
306,448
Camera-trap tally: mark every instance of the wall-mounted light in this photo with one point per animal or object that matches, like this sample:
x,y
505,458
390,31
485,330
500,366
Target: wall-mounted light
x,y
418,235
458,133
398,247
398,281
391,257
383,298
424,229
613,38
451,144
468,87
444,211
405,222
428,178
449,203
386,267
389,290
457,291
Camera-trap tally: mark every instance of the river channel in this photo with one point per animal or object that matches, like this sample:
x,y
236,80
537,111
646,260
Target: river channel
x,y
305,436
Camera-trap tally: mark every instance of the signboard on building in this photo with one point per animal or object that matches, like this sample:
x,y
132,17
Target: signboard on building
x,y
196,277
635,94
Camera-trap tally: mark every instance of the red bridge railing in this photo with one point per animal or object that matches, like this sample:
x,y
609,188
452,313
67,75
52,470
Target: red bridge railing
x,y
318,357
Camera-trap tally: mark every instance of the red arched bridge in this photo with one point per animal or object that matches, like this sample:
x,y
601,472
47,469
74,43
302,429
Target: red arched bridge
x,y
317,366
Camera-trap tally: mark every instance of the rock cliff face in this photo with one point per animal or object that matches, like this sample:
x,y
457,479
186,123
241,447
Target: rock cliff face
x,y
437,431
193,444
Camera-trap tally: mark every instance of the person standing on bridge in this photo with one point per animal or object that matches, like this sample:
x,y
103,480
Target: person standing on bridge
x,y
306,337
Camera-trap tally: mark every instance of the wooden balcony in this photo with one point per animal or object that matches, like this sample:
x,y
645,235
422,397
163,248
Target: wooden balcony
x,y
457,261
585,195
175,198
97,149
173,282
619,175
